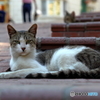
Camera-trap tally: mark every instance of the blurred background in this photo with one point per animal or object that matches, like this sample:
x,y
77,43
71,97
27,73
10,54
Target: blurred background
x,y
49,10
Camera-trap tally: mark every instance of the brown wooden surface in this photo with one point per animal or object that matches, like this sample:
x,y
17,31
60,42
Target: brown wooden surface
x,y
76,34
88,17
89,26
89,29
56,42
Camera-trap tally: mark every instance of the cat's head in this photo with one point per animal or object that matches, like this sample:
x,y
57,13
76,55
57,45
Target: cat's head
x,y
69,17
22,42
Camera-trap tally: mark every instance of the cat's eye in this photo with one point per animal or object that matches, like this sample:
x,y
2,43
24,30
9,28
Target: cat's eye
x,y
16,42
29,41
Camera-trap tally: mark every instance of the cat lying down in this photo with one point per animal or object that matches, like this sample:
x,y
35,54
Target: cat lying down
x,y
64,62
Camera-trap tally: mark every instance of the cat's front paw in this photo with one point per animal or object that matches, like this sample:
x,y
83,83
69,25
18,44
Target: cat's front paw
x,y
6,75
2,75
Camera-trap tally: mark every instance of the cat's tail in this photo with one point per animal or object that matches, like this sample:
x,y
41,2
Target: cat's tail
x,y
93,74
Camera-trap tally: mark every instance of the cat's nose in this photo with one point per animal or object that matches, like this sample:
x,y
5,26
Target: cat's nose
x,y
23,48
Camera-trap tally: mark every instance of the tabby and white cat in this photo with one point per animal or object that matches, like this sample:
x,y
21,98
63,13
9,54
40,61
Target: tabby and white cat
x,y
69,17
65,62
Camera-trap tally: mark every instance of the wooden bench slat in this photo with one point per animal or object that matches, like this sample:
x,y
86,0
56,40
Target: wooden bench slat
x,y
89,26
76,34
56,42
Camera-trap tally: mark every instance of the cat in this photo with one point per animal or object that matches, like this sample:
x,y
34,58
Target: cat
x,y
64,62
69,17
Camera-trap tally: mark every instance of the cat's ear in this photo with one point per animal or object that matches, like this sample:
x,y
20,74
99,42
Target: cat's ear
x,y
11,30
67,13
33,29
73,14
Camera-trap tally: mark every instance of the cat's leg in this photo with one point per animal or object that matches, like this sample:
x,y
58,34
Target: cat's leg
x,y
62,60
71,63
74,66
64,63
22,73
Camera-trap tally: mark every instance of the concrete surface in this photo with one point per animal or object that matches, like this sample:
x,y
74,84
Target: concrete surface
x,y
40,89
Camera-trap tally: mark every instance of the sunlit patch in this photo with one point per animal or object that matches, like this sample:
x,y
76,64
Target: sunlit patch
x,y
3,47
2,44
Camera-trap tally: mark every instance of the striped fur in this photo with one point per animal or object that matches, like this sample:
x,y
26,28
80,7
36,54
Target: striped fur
x,y
89,57
92,74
